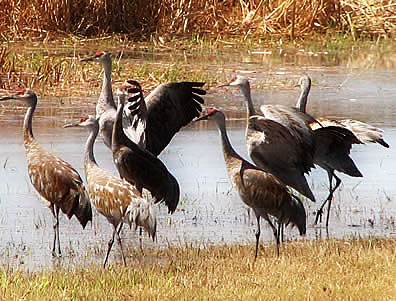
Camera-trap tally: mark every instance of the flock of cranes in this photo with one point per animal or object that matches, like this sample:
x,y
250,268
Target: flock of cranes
x,y
284,143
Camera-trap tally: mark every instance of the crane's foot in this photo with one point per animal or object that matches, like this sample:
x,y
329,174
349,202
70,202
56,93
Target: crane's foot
x,y
56,255
318,216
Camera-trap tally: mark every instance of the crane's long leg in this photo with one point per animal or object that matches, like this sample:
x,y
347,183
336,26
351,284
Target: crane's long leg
x,y
277,237
338,182
55,213
266,217
282,232
330,174
119,228
119,242
109,245
257,235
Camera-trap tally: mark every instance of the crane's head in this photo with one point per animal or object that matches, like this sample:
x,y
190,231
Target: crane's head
x,y
26,95
304,82
237,80
212,113
100,56
294,213
85,121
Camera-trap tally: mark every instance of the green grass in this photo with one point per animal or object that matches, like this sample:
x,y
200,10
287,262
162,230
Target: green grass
x,y
317,270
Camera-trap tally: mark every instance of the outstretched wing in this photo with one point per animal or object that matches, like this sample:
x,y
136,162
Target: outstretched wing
x,y
135,116
366,133
170,107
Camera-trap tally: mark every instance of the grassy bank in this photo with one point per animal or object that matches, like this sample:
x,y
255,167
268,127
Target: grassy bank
x,y
317,270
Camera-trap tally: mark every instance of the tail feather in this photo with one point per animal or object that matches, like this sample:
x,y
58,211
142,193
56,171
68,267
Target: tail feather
x,y
293,212
141,213
173,195
343,163
383,143
82,208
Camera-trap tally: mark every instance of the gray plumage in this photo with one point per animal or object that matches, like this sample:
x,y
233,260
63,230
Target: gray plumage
x,y
333,146
258,189
276,148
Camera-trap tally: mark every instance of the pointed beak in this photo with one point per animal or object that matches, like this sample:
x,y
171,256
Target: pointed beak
x,y
204,117
4,98
88,59
223,85
72,124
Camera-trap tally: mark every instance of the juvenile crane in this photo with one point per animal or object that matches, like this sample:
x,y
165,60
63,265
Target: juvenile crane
x,y
137,165
274,148
113,197
258,189
330,154
168,107
57,182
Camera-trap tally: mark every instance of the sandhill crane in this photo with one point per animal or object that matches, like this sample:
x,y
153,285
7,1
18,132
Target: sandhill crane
x,y
57,182
169,107
258,189
113,197
137,165
330,154
365,133
273,147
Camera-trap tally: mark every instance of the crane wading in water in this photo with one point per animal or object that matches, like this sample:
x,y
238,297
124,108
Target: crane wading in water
x,y
328,147
258,189
113,197
57,182
331,155
365,133
273,147
167,109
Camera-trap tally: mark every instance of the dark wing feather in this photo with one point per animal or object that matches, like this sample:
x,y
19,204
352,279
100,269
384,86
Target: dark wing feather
x,y
277,144
170,107
333,146
135,116
295,121
141,168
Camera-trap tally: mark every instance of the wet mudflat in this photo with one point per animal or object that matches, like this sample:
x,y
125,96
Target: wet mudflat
x,y
210,211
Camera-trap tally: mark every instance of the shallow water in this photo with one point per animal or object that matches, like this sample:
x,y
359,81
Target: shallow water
x,y
209,211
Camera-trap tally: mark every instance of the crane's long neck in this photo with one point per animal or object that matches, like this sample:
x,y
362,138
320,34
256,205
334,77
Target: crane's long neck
x,y
118,135
228,151
245,89
89,155
303,98
106,95
27,123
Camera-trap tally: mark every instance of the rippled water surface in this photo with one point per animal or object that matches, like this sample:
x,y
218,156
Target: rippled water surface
x,y
210,211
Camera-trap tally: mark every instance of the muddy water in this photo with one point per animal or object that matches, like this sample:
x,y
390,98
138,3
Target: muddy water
x,y
210,211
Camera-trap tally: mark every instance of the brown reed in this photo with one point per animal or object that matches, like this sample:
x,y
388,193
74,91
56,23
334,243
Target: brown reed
x,y
168,18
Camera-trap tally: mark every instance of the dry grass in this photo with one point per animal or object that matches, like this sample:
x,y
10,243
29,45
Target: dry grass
x,y
295,18
315,270
52,74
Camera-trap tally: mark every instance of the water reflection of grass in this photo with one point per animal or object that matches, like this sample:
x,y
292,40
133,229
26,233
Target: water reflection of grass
x,y
329,269
51,72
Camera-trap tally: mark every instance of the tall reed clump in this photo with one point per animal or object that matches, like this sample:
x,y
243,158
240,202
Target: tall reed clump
x,y
296,18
